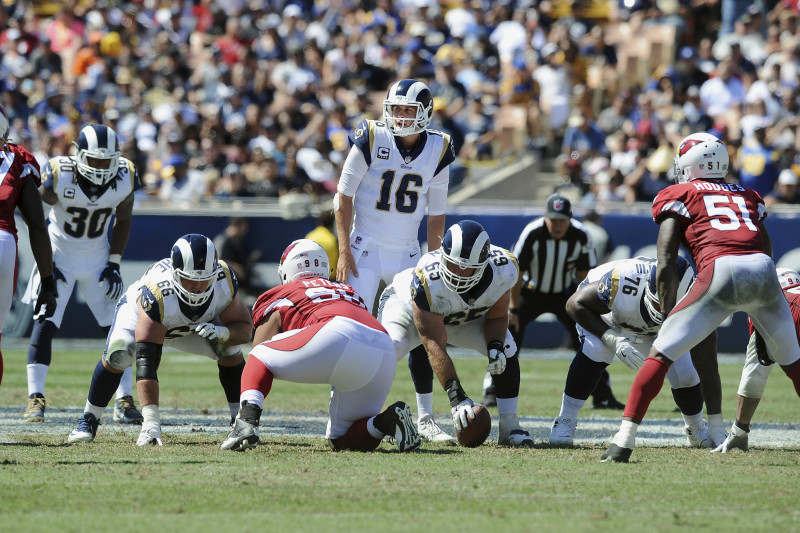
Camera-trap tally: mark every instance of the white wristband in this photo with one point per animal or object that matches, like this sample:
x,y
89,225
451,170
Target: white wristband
x,y
609,338
115,258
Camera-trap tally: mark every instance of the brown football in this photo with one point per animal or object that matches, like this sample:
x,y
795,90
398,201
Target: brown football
x,y
478,429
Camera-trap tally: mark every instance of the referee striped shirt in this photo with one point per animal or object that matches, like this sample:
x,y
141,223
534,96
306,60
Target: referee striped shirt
x,y
548,265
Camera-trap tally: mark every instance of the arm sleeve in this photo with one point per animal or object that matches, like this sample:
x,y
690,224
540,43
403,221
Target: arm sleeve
x,y
354,170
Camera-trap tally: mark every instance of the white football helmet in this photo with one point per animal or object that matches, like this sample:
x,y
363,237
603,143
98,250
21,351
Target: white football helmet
x,y
303,259
788,278
194,259
651,300
465,245
4,128
701,156
98,153
412,93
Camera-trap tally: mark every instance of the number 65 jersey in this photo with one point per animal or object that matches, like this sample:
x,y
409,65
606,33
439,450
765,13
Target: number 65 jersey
x,y
717,218
424,286
79,219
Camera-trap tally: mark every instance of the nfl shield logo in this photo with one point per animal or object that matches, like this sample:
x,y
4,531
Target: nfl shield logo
x,y
558,204
358,240
408,159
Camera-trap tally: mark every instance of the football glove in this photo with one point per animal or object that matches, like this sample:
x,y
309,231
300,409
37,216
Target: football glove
x,y
497,358
737,439
46,301
111,280
462,414
213,332
623,349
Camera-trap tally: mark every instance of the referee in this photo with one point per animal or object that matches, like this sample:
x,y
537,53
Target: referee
x,y
555,253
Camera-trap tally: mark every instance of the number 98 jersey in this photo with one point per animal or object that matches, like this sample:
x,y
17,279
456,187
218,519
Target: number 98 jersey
x,y
79,219
424,286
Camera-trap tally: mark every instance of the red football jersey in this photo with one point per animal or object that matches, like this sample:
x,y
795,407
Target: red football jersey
x,y
717,218
17,166
305,302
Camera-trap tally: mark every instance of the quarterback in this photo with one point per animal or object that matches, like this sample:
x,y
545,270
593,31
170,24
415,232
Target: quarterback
x,y
618,312
84,190
190,301
459,294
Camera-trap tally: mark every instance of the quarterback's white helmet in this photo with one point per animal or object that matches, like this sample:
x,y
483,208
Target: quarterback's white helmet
x,y
701,156
651,299
303,259
194,259
411,93
98,153
465,245
788,278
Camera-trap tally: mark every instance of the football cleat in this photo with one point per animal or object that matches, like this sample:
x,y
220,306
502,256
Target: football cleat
x,y
244,435
150,435
86,430
697,435
430,430
716,436
511,434
125,411
396,422
35,411
616,454
563,431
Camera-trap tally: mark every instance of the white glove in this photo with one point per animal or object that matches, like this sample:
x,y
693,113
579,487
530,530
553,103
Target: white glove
x,y
623,349
213,332
497,358
462,414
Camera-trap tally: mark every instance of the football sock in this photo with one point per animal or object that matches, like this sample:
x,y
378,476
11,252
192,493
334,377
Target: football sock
x,y
104,383
583,377
230,377
37,375
689,399
570,407
41,349
743,427
626,436
646,386
255,377
421,370
126,383
507,383
424,404
253,397
507,406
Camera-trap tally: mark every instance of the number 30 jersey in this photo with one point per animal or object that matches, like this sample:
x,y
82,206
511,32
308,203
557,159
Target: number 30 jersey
x,y
79,219
424,286
717,218
391,195
311,301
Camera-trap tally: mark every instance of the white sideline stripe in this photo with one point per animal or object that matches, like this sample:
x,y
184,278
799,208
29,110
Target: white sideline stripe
x,y
590,431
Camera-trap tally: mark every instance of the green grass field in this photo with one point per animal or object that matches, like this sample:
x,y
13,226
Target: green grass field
x,y
295,483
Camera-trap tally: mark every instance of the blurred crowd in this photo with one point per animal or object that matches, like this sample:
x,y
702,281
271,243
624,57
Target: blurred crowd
x,y
255,98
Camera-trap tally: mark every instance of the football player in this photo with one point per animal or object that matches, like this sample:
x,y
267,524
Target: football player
x,y
190,301
313,330
758,366
19,182
618,312
722,226
459,295
395,171
84,190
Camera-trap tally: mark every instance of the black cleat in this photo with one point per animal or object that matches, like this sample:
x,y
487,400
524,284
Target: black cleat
x,y
616,454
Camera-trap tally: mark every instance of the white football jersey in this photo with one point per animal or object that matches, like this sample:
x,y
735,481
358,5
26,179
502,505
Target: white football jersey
x,y
621,288
154,290
423,285
390,200
79,219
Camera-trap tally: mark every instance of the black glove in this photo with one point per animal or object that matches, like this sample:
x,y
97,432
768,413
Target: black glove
x,y
112,279
761,350
46,302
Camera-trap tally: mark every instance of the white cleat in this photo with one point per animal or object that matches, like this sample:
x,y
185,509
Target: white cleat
x,y
430,430
511,434
563,431
717,436
697,435
150,435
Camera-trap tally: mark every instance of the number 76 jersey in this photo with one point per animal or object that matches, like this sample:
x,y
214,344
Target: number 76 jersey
x,y
717,218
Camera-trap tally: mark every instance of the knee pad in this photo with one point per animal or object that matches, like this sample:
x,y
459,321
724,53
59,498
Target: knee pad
x,y
119,359
148,357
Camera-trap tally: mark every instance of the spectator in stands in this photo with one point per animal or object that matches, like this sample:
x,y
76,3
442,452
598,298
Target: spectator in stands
x,y
688,70
476,126
612,118
232,247
757,163
722,93
325,235
785,191
555,87
180,185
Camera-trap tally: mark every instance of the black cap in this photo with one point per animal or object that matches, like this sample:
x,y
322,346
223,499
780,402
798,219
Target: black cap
x,y
558,207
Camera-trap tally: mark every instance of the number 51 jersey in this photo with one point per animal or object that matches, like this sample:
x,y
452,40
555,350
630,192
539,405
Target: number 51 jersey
x,y
79,219
423,285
